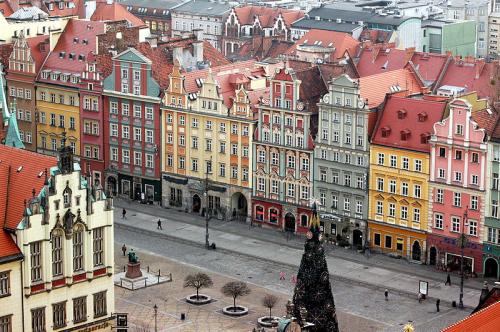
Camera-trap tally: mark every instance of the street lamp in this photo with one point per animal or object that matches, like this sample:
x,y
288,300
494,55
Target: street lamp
x,y
462,245
207,217
156,315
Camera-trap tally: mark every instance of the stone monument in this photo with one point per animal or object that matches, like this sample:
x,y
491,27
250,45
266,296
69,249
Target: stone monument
x,y
133,266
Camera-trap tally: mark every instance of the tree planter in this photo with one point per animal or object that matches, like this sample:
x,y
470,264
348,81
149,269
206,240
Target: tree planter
x,y
235,311
267,321
198,300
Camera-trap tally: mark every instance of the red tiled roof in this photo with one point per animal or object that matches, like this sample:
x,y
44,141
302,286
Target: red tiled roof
x,y
115,12
38,55
5,51
8,247
78,38
226,77
278,47
375,87
340,40
213,55
485,320
18,186
412,108
5,8
66,11
474,75
375,36
429,65
378,59
246,15
486,119
312,87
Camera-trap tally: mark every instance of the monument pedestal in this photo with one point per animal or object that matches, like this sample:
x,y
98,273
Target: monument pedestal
x,y
133,271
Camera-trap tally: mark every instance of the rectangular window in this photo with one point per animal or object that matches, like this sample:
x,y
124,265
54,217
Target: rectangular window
x,y
137,111
416,191
458,176
416,215
439,196
472,227
182,162
418,165
404,212
404,188
38,320
457,199
392,186
137,158
441,173
394,161
474,203
492,235
80,309
4,284
376,239
455,224
359,207
261,185
114,154
57,255
6,323
125,156
222,170
98,246
392,210
149,160
36,261
347,204
78,250
380,208
458,155
59,314
405,163
125,132
149,113
290,190
438,221
149,136
380,159
100,304
474,179
125,109
113,107
388,241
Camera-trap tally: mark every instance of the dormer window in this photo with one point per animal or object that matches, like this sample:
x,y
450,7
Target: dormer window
x,y
54,76
74,79
386,131
75,40
45,74
81,57
64,77
85,42
61,5
62,54
72,56
422,117
424,138
405,134
91,68
401,114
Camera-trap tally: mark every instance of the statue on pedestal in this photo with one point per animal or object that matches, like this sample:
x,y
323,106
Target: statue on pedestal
x,y
133,266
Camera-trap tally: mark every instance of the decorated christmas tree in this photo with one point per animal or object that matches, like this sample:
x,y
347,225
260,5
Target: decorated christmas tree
x,y
313,298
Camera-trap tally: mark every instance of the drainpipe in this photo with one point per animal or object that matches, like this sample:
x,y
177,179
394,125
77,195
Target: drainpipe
x,y
22,296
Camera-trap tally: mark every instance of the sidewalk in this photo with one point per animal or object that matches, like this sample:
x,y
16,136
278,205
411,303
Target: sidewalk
x,y
379,270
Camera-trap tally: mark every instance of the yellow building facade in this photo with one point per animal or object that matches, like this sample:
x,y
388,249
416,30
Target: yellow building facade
x,y
58,112
11,294
207,158
398,200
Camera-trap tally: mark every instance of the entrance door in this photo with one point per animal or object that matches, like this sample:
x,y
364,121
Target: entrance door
x,y
433,256
196,203
150,193
112,187
490,268
137,191
289,223
415,252
357,238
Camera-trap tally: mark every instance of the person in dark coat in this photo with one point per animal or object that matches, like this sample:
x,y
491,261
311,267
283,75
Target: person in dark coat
x,y
159,224
448,280
124,250
124,213
386,294
438,301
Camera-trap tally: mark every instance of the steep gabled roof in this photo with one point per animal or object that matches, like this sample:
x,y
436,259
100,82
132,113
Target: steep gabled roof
x,y
378,59
405,120
341,41
486,119
115,12
375,87
77,41
39,55
485,320
246,15
20,175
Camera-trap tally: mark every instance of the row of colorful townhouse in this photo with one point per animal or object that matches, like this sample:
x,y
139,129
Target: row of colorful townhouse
x,y
256,141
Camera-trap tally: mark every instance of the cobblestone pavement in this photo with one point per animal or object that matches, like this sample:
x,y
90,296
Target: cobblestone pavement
x,y
360,308
296,241
366,273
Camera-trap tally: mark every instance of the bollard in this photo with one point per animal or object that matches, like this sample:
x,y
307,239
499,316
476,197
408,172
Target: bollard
x,y
170,274
124,268
145,283
148,268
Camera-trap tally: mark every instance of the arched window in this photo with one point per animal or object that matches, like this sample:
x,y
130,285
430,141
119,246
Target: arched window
x,y
67,197
303,220
78,248
259,213
57,252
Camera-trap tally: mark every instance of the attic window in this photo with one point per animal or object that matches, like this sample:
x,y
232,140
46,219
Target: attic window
x,y
75,40
199,82
401,114
62,54
72,56
385,65
424,138
81,57
405,134
85,42
422,117
386,131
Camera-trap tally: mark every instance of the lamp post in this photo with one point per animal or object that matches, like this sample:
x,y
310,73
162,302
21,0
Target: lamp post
x,y
207,217
462,246
155,308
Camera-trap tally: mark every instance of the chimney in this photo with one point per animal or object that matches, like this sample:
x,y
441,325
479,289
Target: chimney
x,y
479,67
152,40
198,51
267,42
198,34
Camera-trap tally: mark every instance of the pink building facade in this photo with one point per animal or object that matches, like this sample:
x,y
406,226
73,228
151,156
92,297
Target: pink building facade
x,y
457,187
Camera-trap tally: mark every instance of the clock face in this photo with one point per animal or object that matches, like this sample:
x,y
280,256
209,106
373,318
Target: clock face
x,y
300,106
326,99
361,103
265,101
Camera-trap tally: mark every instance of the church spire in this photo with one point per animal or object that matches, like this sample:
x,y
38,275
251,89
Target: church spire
x,y
12,137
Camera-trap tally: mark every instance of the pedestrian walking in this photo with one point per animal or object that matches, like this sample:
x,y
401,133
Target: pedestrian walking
x,y
293,279
282,275
124,249
159,224
448,280
386,294
438,301
124,214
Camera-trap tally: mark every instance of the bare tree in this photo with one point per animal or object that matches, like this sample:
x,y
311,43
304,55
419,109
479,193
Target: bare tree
x,y
198,281
269,301
235,289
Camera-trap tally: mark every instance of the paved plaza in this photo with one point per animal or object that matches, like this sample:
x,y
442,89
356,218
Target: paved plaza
x,y
359,307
